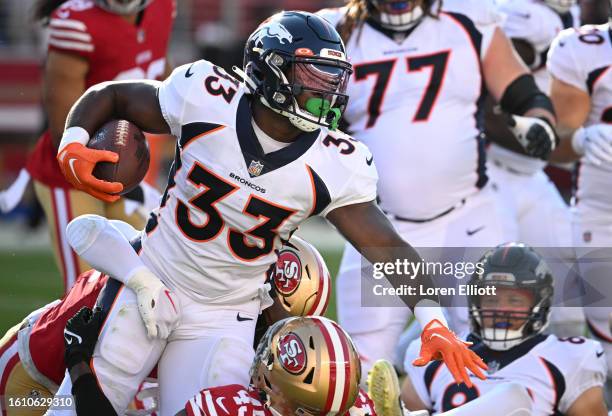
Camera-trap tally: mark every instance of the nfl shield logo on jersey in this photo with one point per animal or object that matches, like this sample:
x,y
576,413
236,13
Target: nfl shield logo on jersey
x,y
255,168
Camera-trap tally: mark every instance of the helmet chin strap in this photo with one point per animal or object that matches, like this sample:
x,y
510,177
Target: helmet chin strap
x,y
400,22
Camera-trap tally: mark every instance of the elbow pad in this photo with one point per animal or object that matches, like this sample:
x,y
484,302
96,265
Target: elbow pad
x,y
522,95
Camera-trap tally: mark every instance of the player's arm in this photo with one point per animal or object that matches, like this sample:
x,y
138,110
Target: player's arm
x,y
572,106
80,337
591,402
366,227
594,12
508,80
133,101
64,82
410,397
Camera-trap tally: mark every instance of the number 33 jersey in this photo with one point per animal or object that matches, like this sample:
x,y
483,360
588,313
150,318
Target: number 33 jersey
x,y
414,103
555,372
228,205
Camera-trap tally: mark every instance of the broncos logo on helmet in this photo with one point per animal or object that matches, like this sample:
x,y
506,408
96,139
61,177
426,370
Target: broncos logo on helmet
x,y
272,30
296,56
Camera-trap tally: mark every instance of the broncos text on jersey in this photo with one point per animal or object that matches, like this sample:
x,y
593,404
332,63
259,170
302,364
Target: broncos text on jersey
x,y
416,103
228,205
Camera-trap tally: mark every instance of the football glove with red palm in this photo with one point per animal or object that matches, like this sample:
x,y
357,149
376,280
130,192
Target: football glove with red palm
x,y
440,343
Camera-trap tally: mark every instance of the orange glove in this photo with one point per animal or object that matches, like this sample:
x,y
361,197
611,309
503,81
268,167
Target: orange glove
x,y
77,163
440,343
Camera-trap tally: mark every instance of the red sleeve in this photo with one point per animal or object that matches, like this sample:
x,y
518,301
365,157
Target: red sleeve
x,y
231,399
363,402
70,30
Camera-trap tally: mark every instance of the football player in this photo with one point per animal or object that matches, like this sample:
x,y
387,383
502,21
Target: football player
x,y
541,215
302,366
31,361
253,161
562,375
421,70
82,51
579,62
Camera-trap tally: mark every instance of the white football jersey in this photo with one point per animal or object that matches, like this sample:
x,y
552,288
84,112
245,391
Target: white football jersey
x,y
555,371
536,23
416,103
228,204
583,59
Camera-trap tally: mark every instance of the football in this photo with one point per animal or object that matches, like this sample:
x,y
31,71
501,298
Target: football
x,y
128,141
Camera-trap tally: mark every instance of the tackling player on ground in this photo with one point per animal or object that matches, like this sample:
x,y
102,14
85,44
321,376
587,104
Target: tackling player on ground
x,y
31,353
253,161
302,366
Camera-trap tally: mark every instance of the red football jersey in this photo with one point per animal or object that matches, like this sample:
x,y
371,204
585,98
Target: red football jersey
x,y
46,343
114,49
238,400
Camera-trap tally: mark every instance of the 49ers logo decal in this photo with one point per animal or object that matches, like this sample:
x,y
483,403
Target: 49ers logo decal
x,y
288,272
291,353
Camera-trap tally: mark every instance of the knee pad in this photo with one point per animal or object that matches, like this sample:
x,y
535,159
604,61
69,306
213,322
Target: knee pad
x,y
84,230
124,342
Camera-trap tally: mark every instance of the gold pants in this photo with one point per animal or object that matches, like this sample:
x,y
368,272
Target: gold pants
x,y
16,386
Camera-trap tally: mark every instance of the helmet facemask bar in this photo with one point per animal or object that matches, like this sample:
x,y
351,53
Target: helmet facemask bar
x,y
324,79
398,15
494,326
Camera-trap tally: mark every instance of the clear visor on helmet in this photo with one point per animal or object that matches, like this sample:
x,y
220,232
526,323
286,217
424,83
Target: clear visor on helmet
x,y
317,86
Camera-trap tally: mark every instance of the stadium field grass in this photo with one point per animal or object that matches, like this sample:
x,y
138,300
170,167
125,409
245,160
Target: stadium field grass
x,y
30,280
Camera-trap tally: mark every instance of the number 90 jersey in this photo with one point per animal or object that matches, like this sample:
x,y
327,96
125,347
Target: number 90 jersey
x,y
415,103
555,372
228,204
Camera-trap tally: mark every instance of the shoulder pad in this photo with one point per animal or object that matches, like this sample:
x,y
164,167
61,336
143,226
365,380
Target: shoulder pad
x,y
481,12
199,92
72,25
333,15
534,22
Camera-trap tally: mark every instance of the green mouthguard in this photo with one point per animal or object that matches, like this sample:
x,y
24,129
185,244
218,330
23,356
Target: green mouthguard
x,y
319,107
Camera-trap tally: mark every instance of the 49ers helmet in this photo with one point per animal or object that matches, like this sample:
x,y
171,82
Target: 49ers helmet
x,y
300,279
515,266
294,53
123,6
307,366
